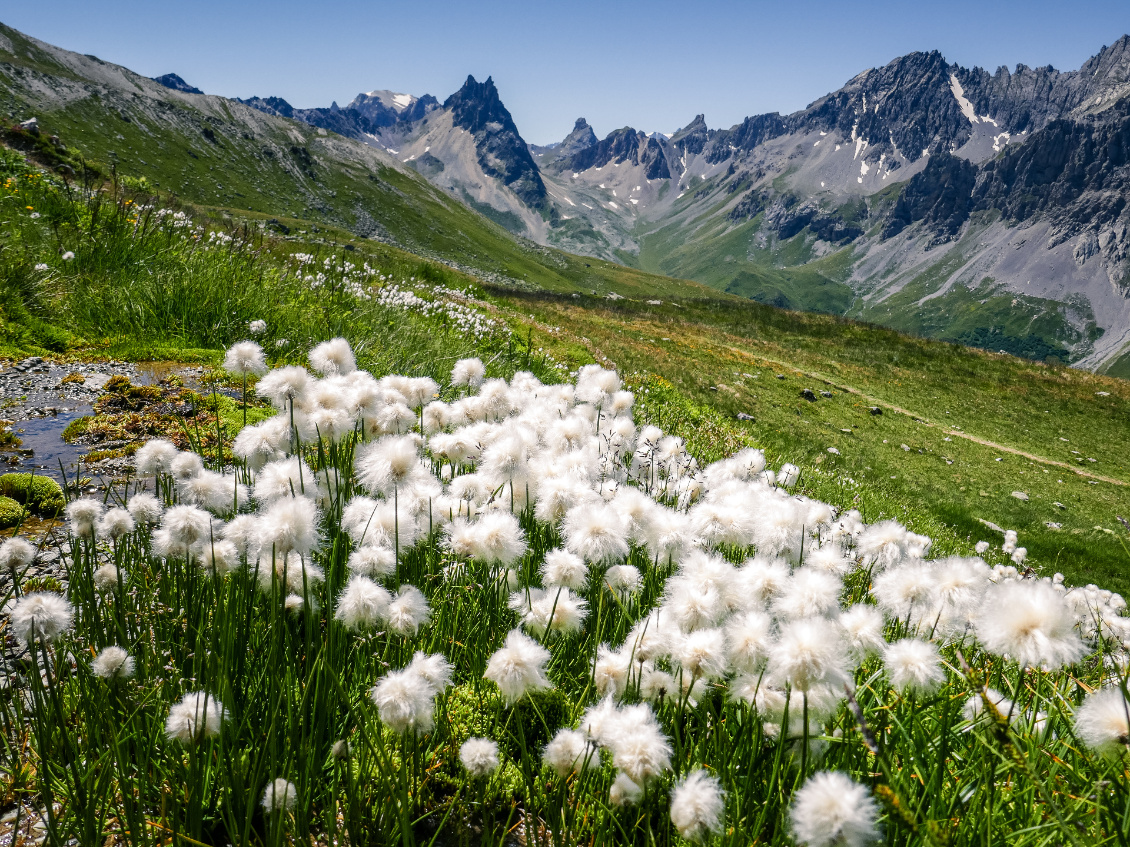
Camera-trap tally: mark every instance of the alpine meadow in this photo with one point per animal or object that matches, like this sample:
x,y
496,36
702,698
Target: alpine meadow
x,y
376,478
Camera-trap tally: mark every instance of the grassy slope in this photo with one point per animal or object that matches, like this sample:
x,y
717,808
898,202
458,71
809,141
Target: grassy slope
x,y
218,154
699,346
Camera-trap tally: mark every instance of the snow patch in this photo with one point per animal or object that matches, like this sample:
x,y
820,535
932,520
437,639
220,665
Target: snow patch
x,y
402,101
635,202
864,168
959,95
613,205
997,145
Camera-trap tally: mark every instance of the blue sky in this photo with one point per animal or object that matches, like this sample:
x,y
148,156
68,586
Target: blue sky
x,y
650,65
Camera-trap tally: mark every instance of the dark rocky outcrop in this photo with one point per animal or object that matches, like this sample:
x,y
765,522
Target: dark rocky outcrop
x,y
477,108
940,195
174,82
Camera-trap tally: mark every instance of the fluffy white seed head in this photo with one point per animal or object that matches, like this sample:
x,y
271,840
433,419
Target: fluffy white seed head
x,y
113,663
518,667
116,523
83,516
468,372
333,357
1103,722
568,752
145,508
362,604
197,716
479,756
914,665
1030,622
41,615
408,611
698,806
564,569
832,810
16,553
155,457
245,358
279,796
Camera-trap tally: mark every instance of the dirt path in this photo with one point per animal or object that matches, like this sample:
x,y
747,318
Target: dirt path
x,y
875,401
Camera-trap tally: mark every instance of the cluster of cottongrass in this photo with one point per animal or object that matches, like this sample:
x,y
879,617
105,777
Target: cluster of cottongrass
x,y
498,603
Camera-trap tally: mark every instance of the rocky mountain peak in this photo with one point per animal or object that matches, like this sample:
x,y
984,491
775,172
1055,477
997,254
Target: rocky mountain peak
x,y
174,82
477,108
581,138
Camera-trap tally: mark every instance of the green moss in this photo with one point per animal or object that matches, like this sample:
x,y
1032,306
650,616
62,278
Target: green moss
x,y
11,512
40,494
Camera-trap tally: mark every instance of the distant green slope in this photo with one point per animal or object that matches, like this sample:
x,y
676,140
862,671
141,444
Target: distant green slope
x,y
220,154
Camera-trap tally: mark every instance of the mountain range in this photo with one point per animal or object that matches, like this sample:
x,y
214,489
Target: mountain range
x,y
984,208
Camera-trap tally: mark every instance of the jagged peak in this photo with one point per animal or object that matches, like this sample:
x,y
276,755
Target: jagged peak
x,y
176,83
581,124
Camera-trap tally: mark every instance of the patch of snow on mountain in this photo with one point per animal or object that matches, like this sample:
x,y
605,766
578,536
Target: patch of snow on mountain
x,y
959,95
402,101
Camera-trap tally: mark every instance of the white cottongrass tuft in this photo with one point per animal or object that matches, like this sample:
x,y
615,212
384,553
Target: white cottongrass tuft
x,y
245,358
145,508
808,653
405,699
468,372
564,569
283,387
518,667
362,604
408,611
197,716
155,457
832,810
698,805
42,615
914,665
279,796
479,756
567,752
1102,722
596,533
1031,623
257,327
113,663
83,516
116,523
333,357
16,553
625,791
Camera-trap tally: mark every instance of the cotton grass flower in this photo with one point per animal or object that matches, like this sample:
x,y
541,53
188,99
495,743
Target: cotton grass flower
x,y
405,698
518,667
155,457
568,752
625,791
832,810
914,665
290,525
1031,623
113,663
697,806
408,611
362,604
83,516
197,716
1103,722
333,357
564,569
283,387
16,553
245,359
42,615
479,756
468,372
279,796
808,653
596,534
145,508
116,523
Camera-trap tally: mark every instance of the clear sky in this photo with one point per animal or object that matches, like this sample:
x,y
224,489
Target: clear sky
x,y
652,65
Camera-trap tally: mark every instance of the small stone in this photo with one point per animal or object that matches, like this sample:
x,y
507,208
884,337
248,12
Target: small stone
x,y
809,395
1059,505
780,376
875,410
825,393
742,416
1020,495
